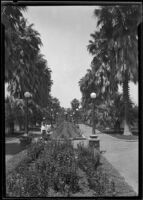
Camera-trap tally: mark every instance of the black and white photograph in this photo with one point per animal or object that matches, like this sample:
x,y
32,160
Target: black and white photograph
x,y
71,99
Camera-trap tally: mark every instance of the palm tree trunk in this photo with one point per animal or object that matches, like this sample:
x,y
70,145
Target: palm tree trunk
x,y
126,104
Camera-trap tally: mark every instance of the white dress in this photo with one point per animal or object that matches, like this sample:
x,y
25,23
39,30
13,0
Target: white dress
x,y
43,128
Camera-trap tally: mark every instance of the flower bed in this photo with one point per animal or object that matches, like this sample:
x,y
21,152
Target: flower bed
x,y
50,166
52,169
89,161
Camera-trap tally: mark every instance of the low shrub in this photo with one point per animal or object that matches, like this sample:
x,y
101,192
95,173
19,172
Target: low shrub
x,y
28,183
101,184
89,161
87,158
35,150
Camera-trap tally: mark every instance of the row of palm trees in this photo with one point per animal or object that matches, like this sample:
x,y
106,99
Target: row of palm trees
x,y
114,47
26,69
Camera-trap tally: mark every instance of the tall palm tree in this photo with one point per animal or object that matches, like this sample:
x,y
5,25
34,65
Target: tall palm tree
x,y
118,28
14,111
42,81
25,67
22,44
11,16
25,50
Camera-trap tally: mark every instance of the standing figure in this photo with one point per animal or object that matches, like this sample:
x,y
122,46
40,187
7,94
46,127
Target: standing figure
x,y
43,128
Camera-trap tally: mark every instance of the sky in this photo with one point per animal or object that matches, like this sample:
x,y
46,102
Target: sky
x,y
65,33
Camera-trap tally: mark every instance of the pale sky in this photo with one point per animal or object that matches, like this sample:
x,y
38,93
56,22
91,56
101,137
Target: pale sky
x,y
65,32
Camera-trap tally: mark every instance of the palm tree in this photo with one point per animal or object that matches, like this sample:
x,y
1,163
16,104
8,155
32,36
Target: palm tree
x,y
118,29
14,112
75,104
23,63
22,45
25,67
31,72
53,109
41,82
11,16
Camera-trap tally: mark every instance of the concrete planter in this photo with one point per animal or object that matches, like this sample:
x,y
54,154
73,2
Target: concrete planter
x,y
94,142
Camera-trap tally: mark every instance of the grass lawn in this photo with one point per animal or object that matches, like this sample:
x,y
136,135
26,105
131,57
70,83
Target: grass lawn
x,y
125,137
15,160
121,187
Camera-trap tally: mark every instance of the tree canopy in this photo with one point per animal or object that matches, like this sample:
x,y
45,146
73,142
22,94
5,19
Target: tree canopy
x,y
26,69
114,47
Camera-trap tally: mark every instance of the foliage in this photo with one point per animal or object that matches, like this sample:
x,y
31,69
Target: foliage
x,y
19,37
75,104
54,168
75,111
88,159
120,33
52,110
115,54
35,150
102,185
11,16
14,112
98,181
51,170
14,107
116,111
25,68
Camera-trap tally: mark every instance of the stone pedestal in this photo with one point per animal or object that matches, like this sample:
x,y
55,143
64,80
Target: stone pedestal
x,y
94,142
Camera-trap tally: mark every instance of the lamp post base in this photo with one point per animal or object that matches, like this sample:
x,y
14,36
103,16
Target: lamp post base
x,y
94,142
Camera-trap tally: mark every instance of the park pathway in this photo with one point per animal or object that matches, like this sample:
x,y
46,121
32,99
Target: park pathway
x,y
122,154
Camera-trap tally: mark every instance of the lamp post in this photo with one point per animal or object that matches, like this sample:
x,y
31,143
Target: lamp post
x,y
73,115
77,115
27,95
94,140
93,96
